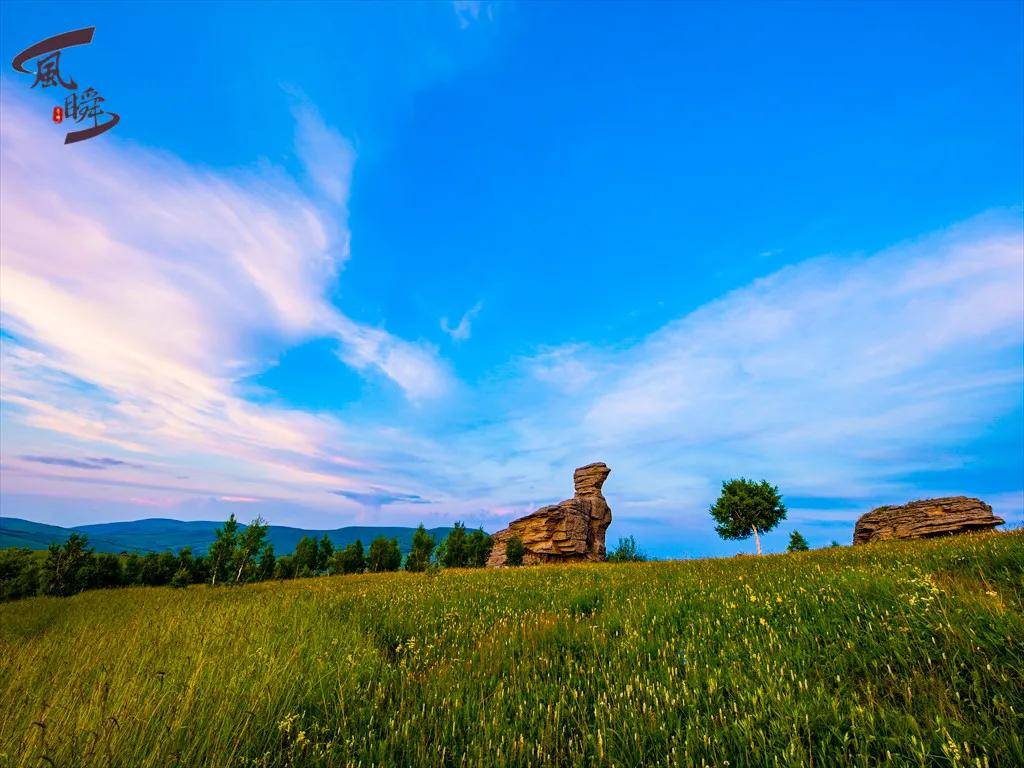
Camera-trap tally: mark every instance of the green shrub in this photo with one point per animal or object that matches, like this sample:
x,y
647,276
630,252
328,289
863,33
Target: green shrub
x,y
514,551
797,543
626,552
19,573
284,567
181,578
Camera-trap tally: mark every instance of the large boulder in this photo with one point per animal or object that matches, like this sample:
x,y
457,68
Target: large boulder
x,y
570,531
924,519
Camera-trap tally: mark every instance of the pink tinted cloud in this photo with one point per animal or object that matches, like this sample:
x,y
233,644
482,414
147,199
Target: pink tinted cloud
x,y
139,290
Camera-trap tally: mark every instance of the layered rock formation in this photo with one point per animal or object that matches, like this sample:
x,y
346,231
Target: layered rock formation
x,y
570,531
924,519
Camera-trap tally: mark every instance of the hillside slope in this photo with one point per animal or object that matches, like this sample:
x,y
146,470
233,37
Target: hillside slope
x,y
895,654
159,534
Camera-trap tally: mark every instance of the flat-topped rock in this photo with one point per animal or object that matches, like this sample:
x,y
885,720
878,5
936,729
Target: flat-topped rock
x,y
570,531
924,519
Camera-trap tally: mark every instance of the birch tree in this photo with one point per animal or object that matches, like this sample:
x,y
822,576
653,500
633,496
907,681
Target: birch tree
x,y
747,509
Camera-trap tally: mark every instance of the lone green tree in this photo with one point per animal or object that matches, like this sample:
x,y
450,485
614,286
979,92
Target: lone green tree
x,y
747,508
797,542
514,551
422,547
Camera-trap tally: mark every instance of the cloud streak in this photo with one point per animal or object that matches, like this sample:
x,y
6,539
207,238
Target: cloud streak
x,y
139,291
104,462
836,377
462,330
379,498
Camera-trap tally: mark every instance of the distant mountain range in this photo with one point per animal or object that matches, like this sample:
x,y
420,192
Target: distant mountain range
x,y
159,534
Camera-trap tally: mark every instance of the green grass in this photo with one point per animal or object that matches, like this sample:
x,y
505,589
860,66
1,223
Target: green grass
x,y
891,654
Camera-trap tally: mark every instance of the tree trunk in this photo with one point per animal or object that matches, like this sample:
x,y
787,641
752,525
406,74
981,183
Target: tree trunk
x,y
757,539
245,561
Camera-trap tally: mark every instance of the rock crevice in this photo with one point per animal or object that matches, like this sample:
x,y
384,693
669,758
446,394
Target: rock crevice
x,y
570,531
925,519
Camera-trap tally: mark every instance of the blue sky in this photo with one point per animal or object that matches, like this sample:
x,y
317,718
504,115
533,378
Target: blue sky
x,y
389,263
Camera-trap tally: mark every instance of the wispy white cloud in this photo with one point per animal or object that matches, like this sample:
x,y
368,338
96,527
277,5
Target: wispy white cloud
x,y
462,330
571,368
470,12
849,381
327,156
834,377
138,292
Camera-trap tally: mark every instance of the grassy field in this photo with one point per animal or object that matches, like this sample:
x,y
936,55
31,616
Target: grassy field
x,y
891,654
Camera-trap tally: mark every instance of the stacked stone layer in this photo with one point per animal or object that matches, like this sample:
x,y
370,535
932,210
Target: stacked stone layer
x,y
570,531
925,519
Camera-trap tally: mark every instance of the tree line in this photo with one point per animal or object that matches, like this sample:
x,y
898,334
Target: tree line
x,y
237,556
243,555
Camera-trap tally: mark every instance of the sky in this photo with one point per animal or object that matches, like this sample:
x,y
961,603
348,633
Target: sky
x,y
391,263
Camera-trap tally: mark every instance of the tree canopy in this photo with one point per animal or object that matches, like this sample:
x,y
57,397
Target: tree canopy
x,y
384,555
797,542
422,548
455,553
747,508
479,545
349,559
222,549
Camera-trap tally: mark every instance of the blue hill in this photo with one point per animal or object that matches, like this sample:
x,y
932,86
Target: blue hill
x,y
159,534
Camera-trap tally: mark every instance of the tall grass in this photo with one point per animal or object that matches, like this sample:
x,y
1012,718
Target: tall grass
x,y
891,654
